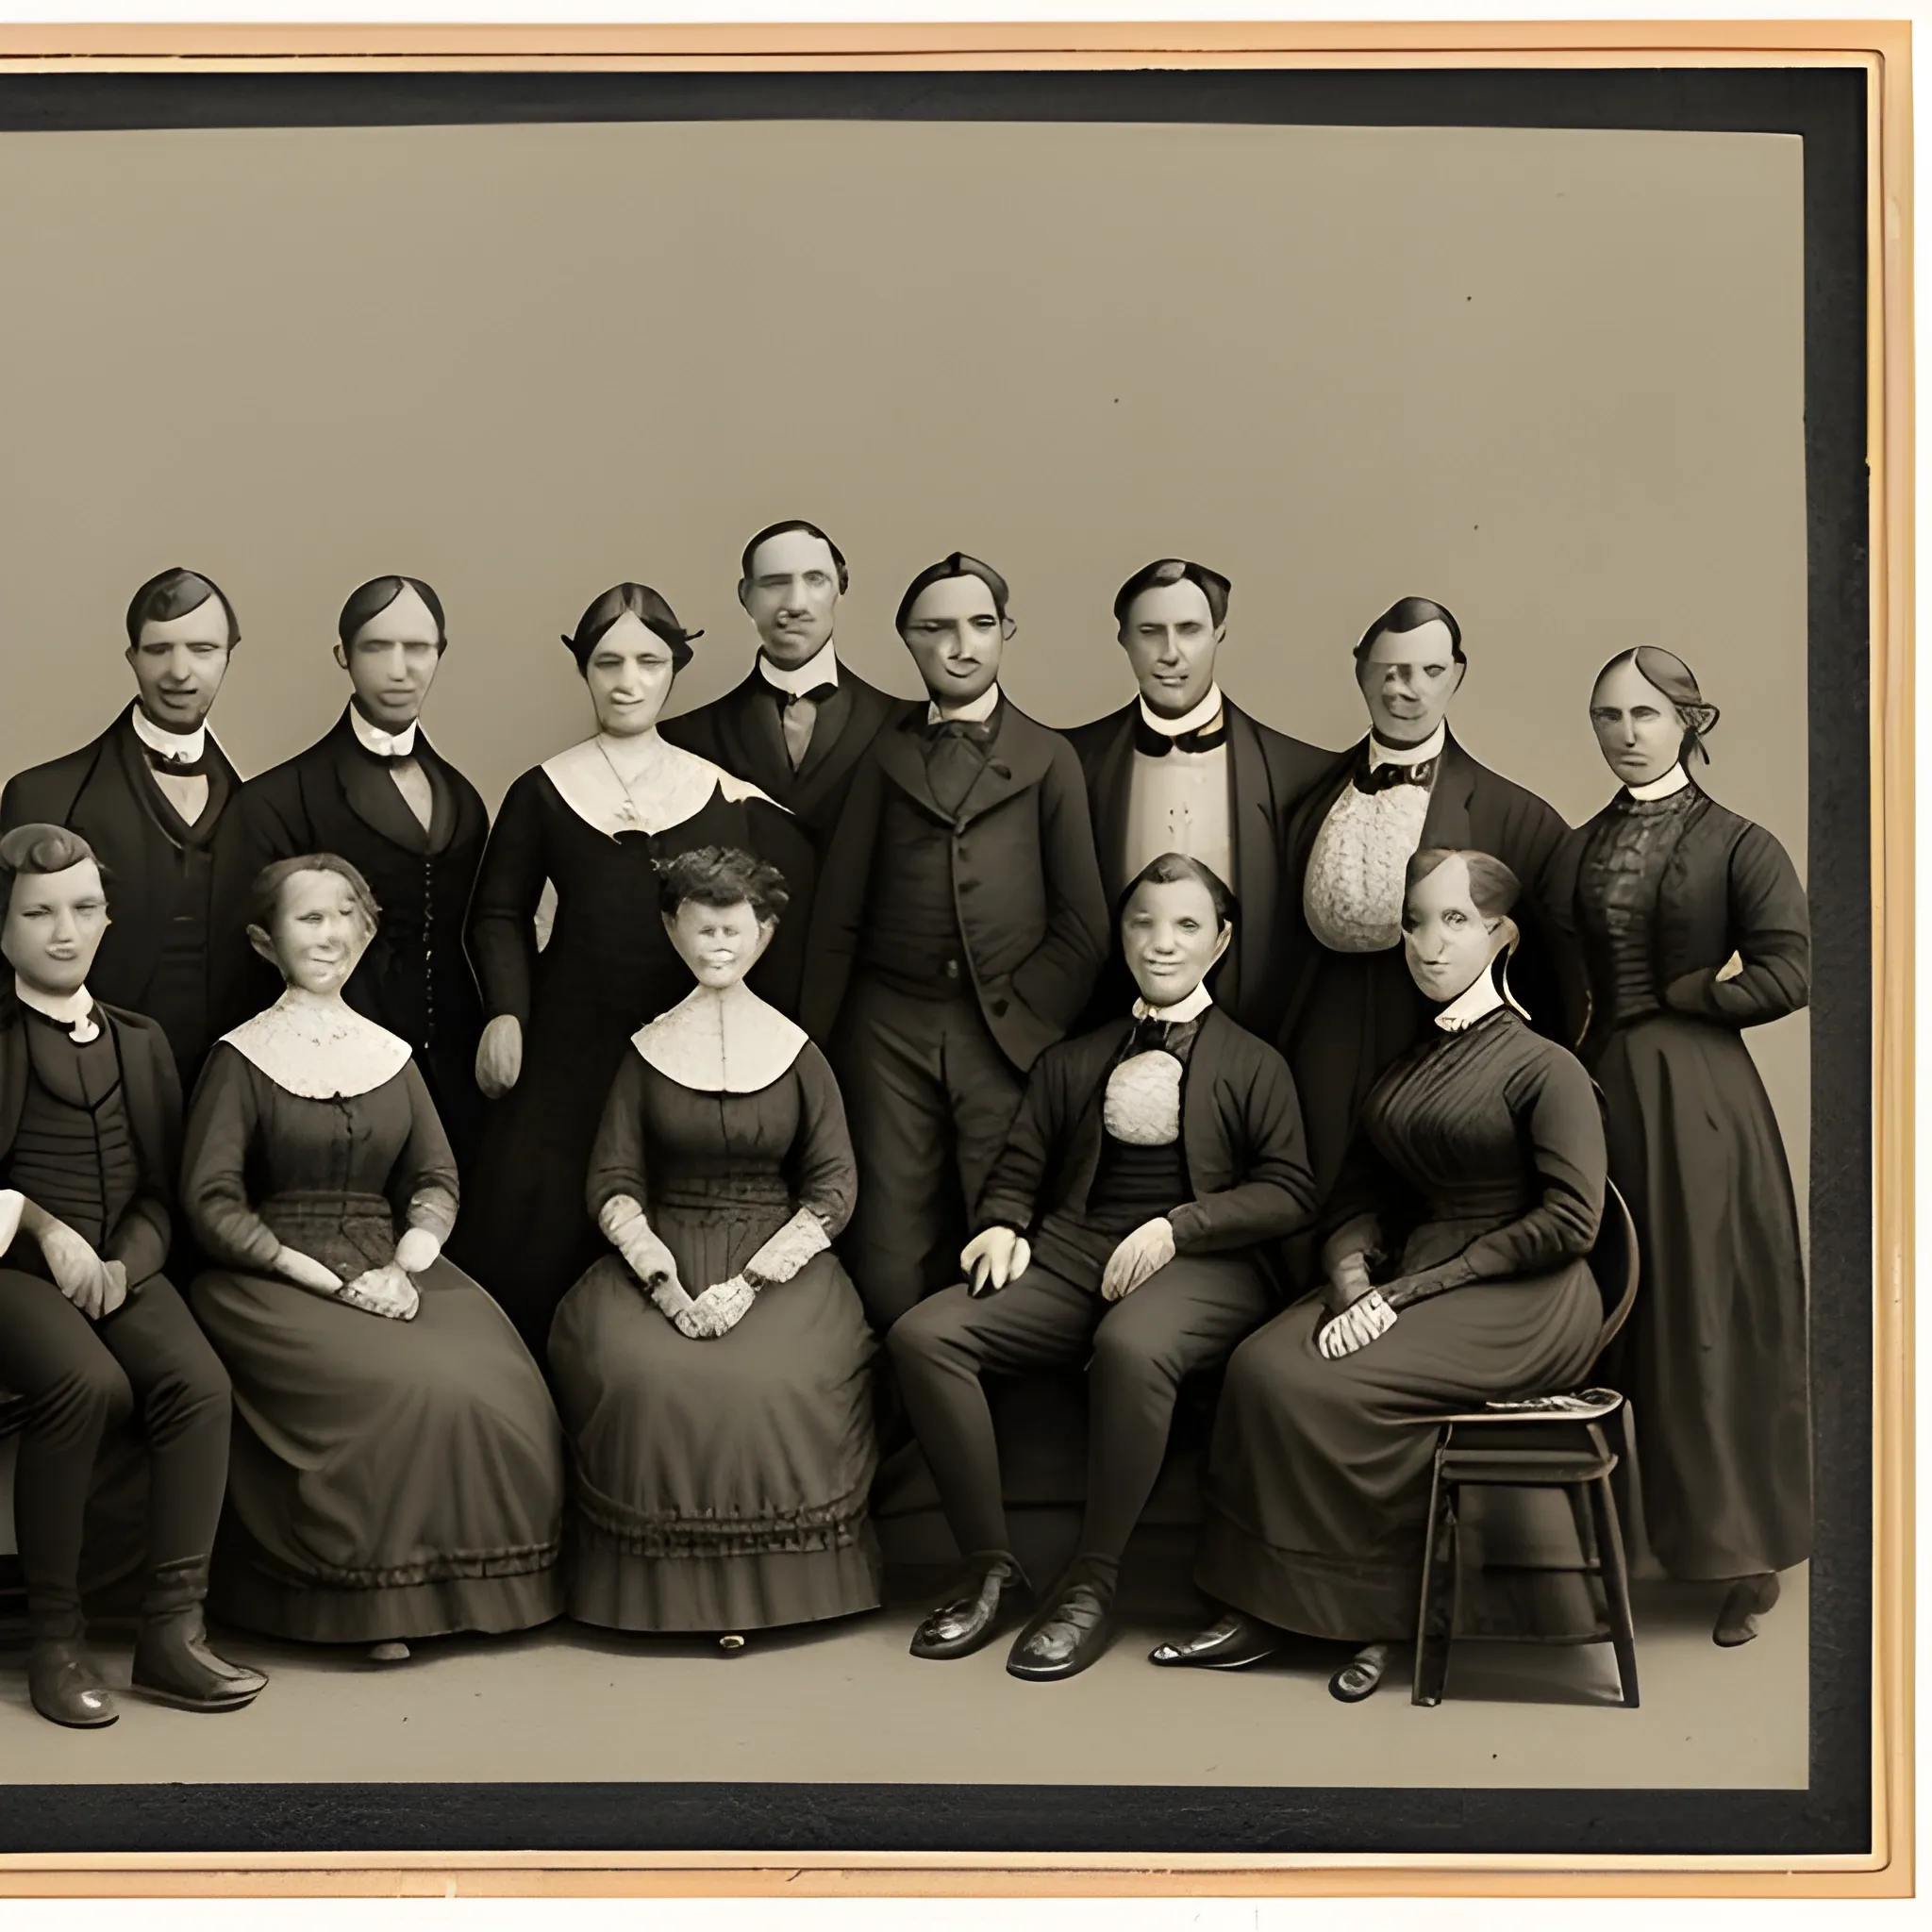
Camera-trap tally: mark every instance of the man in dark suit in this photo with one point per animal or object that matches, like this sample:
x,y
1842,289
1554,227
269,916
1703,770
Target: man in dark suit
x,y
91,1332
377,792
958,927
1183,769
799,723
152,795
1127,1225
1351,1004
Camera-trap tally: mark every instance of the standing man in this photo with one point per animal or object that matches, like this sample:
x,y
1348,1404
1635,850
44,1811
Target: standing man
x,y
151,796
1182,769
377,792
1352,1006
959,924
91,1331
799,723
1128,1226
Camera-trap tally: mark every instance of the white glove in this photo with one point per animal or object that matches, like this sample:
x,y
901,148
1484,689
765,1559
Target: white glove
x,y
304,1271
500,1056
78,1273
417,1251
1356,1325
719,1310
386,1292
788,1251
993,1258
1144,1252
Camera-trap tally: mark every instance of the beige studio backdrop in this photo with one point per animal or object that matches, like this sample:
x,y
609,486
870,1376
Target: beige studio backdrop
x,y
1552,379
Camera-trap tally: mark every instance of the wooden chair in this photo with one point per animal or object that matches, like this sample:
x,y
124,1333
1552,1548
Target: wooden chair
x,y
1553,1441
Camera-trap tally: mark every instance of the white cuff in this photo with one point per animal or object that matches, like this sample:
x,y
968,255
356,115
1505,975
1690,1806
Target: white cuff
x,y
11,1202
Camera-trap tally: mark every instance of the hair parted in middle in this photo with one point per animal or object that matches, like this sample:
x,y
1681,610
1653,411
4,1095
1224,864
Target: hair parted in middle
x,y
721,876
957,565
1410,614
633,600
1173,869
270,881
368,600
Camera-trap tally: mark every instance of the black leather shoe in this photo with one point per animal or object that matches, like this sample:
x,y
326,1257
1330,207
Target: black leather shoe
x,y
1748,1598
1229,1644
971,1620
172,1664
65,1687
1070,1634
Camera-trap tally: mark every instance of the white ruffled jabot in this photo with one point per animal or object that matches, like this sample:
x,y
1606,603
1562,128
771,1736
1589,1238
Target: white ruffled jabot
x,y
319,1049
720,1042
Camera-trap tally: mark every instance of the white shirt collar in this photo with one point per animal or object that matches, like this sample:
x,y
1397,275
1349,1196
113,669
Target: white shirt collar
x,y
1202,713
1192,1007
385,744
1672,782
71,1009
821,668
1474,1003
1431,747
977,712
170,744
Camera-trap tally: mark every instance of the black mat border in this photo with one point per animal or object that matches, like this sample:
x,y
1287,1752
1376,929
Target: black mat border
x,y
1828,107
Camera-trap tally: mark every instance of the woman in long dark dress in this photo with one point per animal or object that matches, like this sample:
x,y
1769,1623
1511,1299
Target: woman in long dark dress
x,y
1473,1190
593,821
713,1372
397,1469
1692,926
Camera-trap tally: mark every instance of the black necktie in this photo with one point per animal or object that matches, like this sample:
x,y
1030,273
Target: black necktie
x,y
166,767
1385,776
1150,743
955,757
1149,1036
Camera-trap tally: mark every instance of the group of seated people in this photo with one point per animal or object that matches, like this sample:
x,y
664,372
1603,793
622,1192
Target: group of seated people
x,y
804,1118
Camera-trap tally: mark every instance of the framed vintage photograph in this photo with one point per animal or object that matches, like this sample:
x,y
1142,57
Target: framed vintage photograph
x,y
955,959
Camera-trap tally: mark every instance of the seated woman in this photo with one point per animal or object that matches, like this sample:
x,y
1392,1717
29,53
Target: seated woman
x,y
713,1374
1457,1275
397,1469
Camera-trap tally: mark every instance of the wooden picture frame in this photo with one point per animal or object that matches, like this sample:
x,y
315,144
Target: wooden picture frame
x,y
1865,1740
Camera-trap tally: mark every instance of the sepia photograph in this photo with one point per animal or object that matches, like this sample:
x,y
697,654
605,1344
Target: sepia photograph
x,y
944,961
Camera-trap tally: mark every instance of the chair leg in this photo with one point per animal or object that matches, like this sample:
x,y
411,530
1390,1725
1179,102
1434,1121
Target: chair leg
x,y
1435,1611
1616,1575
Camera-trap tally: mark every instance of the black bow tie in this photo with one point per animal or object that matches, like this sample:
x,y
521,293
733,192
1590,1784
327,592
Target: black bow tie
x,y
973,730
158,761
1150,743
816,695
1385,776
1149,1036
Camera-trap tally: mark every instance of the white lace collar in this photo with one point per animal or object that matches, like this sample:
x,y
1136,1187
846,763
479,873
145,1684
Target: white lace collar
x,y
188,745
1431,747
720,1042
73,1010
671,787
319,1049
1181,1012
385,744
1204,713
1672,782
976,712
821,667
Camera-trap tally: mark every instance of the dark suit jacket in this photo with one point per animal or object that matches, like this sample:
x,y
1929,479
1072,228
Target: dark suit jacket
x,y
1241,1127
1729,887
741,731
1269,773
1026,881
104,791
1471,808
140,1240
415,978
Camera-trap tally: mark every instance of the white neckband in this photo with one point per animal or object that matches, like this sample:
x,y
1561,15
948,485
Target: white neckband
x,y
821,667
169,745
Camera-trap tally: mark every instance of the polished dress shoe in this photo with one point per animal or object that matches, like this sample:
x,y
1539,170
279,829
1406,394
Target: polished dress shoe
x,y
65,1687
1070,1634
1229,1644
971,1620
172,1664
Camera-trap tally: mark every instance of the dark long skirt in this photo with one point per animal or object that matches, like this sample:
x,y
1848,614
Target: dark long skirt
x,y
389,1479
1714,1357
1318,1479
720,1483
